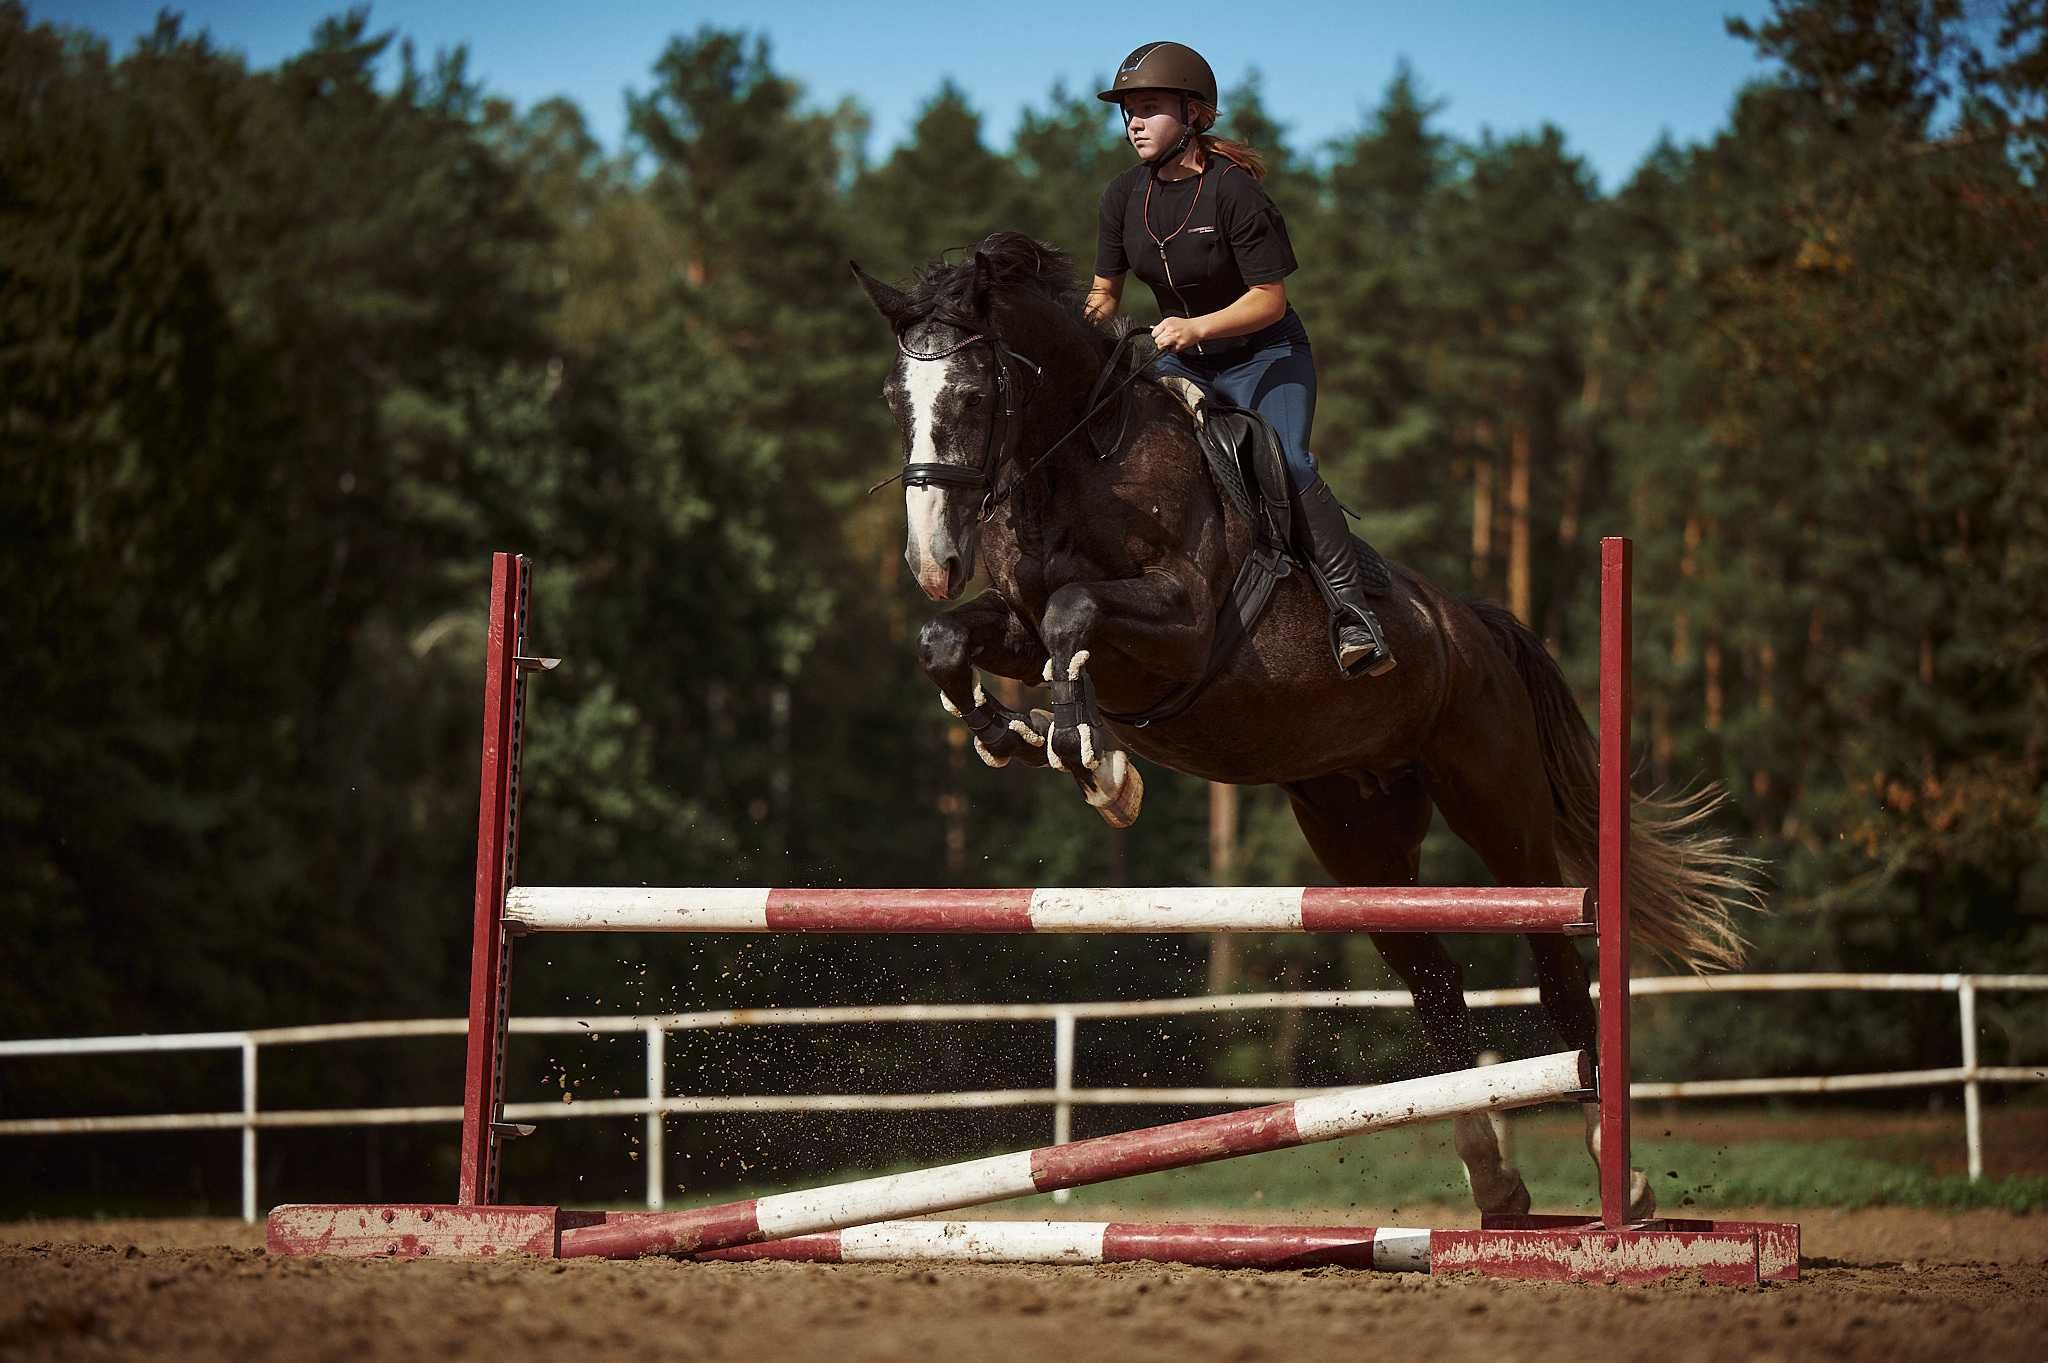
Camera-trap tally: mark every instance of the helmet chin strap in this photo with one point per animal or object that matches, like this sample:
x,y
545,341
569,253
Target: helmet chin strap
x,y
1172,154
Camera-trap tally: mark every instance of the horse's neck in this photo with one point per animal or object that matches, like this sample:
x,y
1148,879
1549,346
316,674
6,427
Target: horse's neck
x,y
1085,517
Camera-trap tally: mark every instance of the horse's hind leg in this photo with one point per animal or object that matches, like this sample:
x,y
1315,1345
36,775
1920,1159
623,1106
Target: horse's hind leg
x,y
1495,794
1562,983
1377,840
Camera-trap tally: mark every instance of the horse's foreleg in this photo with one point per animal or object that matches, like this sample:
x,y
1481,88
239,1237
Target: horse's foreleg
x,y
984,633
1151,618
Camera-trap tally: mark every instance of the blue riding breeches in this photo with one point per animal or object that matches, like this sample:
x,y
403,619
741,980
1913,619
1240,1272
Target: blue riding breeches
x,y
1272,372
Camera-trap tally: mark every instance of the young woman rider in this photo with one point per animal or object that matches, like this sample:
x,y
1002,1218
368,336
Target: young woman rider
x,y
1192,221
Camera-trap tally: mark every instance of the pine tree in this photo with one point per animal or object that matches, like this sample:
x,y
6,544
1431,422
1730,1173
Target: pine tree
x,y
1364,279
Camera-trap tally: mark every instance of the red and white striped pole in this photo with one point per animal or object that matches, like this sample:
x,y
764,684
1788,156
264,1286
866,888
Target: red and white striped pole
x,y
1518,1083
1192,908
1387,1249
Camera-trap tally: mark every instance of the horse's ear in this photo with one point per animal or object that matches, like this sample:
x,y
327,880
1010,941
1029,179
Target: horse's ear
x,y
982,273
893,304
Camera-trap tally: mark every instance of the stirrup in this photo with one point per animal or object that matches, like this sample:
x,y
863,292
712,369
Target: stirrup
x,y
1372,658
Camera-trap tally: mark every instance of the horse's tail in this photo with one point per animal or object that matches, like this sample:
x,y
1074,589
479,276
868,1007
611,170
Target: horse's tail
x,y
1686,883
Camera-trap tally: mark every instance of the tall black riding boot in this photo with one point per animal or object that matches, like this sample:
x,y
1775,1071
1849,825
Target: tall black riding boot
x,y
1324,538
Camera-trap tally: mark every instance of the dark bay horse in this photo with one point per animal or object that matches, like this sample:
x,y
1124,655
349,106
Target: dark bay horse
x,y
1107,555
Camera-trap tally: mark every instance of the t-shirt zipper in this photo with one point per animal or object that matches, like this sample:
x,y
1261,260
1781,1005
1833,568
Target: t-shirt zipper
x,y
1145,214
1167,265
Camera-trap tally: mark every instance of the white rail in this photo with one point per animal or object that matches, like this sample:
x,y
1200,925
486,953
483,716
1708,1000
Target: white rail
x,y
1062,1097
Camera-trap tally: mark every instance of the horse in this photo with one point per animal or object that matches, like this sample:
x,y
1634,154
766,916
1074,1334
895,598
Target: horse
x,y
1108,551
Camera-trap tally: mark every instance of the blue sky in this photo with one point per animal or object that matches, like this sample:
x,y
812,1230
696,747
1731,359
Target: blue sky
x,y
1613,74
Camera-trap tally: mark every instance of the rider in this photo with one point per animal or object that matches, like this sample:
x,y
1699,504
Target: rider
x,y
1192,221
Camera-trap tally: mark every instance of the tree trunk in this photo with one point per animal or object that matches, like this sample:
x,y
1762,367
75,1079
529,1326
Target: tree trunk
x,y
1760,782
1716,697
1519,593
1482,520
1660,742
953,799
781,782
1224,964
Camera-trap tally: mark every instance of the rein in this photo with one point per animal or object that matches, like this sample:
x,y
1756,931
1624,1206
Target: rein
x,y
995,444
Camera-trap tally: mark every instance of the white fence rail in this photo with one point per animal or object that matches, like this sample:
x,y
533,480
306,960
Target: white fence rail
x,y
1062,1097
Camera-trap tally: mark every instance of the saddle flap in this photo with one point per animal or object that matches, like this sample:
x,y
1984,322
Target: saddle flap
x,y
1244,454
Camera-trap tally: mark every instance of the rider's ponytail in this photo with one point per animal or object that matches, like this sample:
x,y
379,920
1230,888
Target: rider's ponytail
x,y
1203,117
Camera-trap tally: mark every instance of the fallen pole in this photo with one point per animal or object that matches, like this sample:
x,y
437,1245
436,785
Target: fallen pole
x,y
1387,1249
1179,1145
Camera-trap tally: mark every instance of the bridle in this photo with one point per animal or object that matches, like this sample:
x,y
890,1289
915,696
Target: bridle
x,y
995,445
1001,418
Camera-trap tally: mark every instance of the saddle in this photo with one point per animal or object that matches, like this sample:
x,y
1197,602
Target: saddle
x,y
1247,463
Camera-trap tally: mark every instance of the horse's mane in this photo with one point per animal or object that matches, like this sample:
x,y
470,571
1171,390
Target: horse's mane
x,y
1017,266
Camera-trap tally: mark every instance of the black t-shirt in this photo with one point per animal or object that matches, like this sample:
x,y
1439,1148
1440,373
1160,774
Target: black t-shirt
x,y
1221,235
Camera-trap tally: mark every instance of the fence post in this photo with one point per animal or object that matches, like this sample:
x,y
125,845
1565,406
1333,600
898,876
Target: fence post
x,y
657,1089
1063,1088
249,1129
1973,1113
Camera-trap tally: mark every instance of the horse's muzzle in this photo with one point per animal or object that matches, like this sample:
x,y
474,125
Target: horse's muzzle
x,y
943,579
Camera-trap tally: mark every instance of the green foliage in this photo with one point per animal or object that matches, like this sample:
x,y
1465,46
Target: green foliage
x,y
247,401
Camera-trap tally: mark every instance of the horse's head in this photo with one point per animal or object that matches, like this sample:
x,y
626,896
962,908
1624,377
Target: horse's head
x,y
954,393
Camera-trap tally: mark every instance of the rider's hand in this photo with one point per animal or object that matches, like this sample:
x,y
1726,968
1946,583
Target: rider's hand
x,y
1175,333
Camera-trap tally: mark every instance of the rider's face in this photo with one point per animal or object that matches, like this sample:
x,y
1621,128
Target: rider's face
x,y
1152,121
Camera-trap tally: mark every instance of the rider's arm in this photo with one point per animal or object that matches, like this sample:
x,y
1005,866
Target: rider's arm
x,y
1258,307
1105,296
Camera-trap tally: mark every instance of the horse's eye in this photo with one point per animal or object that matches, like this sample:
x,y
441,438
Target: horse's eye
x,y
974,399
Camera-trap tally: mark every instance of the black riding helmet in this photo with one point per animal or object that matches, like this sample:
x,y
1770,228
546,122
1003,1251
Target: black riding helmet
x,y
1174,67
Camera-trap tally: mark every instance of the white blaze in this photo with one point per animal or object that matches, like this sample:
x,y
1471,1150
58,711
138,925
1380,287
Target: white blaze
x,y
923,381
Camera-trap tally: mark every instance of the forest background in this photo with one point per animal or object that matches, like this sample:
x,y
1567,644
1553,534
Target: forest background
x,y
285,353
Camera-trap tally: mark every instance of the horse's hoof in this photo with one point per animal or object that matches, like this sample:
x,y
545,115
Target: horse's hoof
x,y
1642,1200
1505,1198
981,751
1118,791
